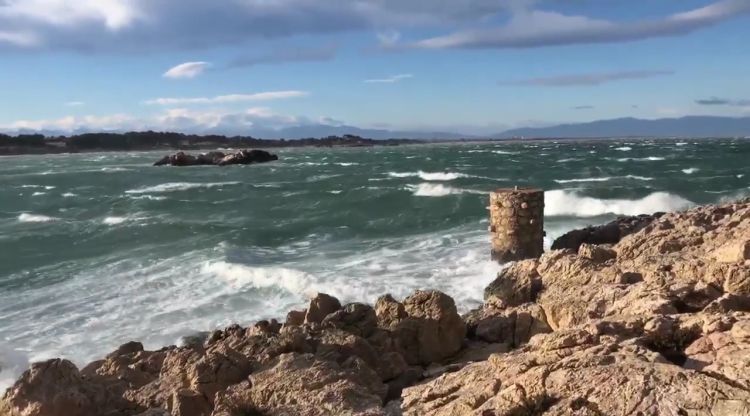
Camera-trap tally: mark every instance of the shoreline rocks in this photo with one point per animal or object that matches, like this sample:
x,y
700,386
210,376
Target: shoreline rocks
x,y
242,157
657,323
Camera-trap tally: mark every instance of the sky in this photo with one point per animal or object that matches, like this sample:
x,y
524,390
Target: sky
x,y
469,66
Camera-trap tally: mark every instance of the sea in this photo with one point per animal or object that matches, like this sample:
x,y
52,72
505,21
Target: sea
x,y
98,249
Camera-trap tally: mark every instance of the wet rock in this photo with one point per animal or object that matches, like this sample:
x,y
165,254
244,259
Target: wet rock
x,y
610,233
242,157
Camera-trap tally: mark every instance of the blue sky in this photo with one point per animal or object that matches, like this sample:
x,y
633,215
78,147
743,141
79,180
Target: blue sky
x,y
474,66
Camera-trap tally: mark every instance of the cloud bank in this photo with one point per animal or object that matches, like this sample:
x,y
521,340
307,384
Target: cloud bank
x,y
389,80
590,79
229,98
715,101
536,28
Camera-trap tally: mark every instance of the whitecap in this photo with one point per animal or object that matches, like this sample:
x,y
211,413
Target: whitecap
x,y
429,176
690,171
740,176
69,195
26,217
624,148
438,189
38,193
565,203
114,220
681,144
583,180
148,197
347,164
642,159
178,186
336,192
639,178
115,170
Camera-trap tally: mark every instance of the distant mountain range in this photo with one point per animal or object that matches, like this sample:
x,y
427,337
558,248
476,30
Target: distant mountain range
x,y
691,126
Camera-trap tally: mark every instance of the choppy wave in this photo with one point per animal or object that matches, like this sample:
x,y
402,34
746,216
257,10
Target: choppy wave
x,y
433,189
640,159
26,217
690,171
566,203
178,186
115,220
429,176
624,148
38,193
605,179
69,195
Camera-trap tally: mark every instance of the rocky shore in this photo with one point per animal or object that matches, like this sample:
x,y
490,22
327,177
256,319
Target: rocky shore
x,y
242,157
654,322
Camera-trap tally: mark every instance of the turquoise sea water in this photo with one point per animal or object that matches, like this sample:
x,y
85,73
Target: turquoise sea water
x,y
100,249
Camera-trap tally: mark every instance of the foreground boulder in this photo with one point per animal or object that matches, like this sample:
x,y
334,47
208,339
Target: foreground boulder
x,y
242,157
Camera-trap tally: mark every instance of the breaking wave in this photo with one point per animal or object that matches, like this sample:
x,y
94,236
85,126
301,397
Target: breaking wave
x,y
429,176
565,203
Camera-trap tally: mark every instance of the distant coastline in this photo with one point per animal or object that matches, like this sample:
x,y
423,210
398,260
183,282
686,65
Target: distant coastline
x,y
145,141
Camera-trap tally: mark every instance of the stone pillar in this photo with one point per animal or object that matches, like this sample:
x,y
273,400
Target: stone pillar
x,y
517,224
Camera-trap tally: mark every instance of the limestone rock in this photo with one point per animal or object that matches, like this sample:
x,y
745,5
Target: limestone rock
x,y
305,386
355,318
320,306
518,284
435,324
597,254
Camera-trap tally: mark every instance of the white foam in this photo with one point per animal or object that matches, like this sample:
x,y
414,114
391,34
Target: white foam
x,y
69,195
432,189
624,148
241,276
114,220
582,180
335,192
347,164
178,186
740,176
429,176
566,203
148,197
115,170
38,193
639,178
26,217
681,144
642,159
690,171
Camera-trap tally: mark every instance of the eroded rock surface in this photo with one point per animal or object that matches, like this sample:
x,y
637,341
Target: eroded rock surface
x,y
242,157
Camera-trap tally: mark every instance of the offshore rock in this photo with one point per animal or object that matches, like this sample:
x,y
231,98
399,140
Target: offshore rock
x,y
242,157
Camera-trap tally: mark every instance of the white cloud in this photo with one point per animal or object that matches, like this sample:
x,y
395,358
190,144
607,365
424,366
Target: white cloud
x,y
74,104
187,70
535,28
229,99
113,14
390,80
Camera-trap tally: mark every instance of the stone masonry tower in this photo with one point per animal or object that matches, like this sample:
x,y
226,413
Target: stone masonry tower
x,y
517,224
